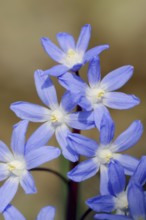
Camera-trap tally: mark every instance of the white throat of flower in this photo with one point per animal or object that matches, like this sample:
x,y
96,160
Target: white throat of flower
x,y
121,201
17,166
72,58
58,117
103,156
95,95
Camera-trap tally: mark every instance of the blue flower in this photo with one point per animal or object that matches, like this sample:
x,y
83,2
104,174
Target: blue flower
x,y
15,165
133,205
100,155
100,94
46,213
56,118
70,56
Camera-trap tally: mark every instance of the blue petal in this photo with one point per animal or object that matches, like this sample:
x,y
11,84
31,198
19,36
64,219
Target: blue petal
x,y
107,130
57,70
140,172
83,171
68,101
117,179
101,203
128,162
85,104
99,112
62,133
4,172
81,120
40,137
94,72
111,217
66,41
51,49
30,112
8,191
72,83
119,100
104,180
37,157
129,137
136,201
11,213
117,78
5,154
84,38
46,213
27,183
45,89
82,145
18,137
90,54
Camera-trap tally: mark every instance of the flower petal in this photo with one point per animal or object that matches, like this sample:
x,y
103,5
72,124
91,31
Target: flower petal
x,y
11,213
104,180
81,120
94,72
117,179
83,171
45,89
103,203
30,112
119,100
51,49
4,172
99,112
84,38
57,70
8,191
82,145
139,175
47,213
5,154
66,41
117,78
111,217
90,54
128,162
107,130
68,101
129,137
37,157
62,133
18,137
27,183
136,200
40,137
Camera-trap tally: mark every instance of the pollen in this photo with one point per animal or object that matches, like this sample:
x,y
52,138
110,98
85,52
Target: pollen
x,y
54,118
100,93
72,58
57,117
104,156
95,95
71,53
16,167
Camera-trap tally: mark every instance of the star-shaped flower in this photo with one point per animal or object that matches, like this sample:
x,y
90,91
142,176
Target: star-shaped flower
x,y
100,94
71,56
56,118
15,165
100,155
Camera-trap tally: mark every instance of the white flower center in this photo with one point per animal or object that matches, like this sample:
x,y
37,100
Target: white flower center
x,y
58,117
72,58
103,156
95,95
17,167
121,201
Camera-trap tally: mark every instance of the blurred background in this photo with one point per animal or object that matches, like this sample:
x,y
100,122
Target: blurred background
x,y
121,24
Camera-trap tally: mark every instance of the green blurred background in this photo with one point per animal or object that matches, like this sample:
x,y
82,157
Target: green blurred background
x,y
121,24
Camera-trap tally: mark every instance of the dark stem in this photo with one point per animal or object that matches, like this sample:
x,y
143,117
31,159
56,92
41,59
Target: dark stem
x,y
85,214
72,197
51,171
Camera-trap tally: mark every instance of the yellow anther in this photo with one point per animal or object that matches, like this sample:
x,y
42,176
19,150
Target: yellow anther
x,y
11,167
71,53
54,118
100,94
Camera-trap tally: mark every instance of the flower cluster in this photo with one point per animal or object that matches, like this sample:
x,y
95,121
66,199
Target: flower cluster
x,y
84,105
